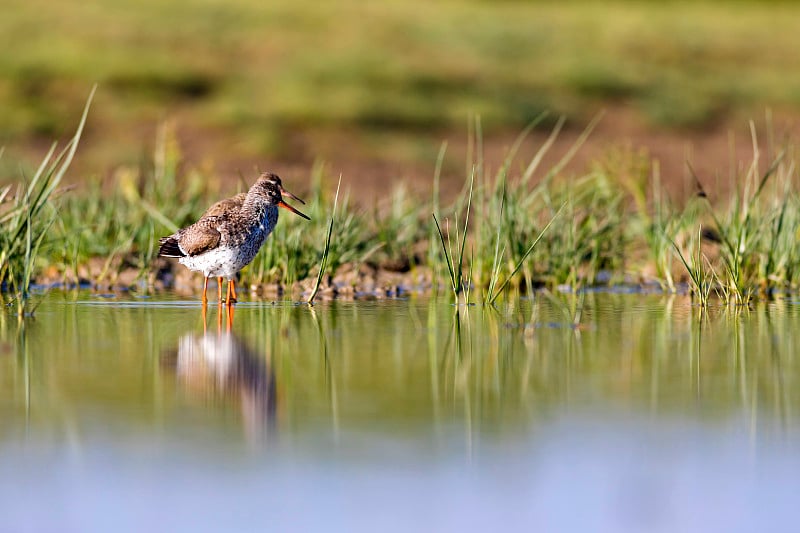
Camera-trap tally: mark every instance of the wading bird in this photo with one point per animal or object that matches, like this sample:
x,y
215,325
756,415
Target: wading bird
x,y
230,233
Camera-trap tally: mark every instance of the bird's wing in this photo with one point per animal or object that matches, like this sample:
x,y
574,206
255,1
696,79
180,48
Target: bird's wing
x,y
200,236
222,207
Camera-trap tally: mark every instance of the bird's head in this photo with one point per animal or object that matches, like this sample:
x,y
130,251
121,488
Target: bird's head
x,y
269,185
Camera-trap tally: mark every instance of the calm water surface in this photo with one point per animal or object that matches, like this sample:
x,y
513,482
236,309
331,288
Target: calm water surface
x,y
135,414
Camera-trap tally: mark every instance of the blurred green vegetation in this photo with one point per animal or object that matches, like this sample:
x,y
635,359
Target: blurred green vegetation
x,y
264,69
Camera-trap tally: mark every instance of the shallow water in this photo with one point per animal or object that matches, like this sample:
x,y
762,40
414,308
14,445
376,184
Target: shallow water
x,y
125,413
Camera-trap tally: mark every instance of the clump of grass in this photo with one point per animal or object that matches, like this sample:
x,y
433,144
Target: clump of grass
x,y
701,274
750,241
747,233
656,230
25,225
121,220
514,215
589,237
492,294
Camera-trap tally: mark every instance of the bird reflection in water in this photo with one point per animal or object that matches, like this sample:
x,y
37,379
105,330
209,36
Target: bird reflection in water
x,y
221,365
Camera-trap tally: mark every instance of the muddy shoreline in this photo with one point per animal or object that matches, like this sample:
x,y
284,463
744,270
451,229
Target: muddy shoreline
x,y
352,281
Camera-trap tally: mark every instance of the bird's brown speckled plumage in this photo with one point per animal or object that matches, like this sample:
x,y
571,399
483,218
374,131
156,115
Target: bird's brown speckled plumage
x,y
226,205
229,234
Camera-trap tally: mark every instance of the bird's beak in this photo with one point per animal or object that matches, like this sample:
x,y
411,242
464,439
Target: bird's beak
x,y
284,192
292,209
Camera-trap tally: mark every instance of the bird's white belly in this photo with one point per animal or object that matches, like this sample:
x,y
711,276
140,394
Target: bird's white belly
x,y
228,258
221,261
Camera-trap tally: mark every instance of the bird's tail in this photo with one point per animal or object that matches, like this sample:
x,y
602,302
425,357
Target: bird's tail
x,y
169,247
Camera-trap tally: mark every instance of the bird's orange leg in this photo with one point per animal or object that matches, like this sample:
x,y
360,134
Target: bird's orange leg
x,y
219,289
205,289
230,298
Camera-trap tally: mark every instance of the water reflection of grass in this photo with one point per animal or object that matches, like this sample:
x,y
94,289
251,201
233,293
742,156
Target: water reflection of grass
x,y
342,367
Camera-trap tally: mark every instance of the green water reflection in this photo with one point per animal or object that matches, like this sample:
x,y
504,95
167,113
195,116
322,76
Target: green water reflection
x,y
413,367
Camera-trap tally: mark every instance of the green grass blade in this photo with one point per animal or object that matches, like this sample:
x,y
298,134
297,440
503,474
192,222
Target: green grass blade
x,y
446,253
326,251
464,239
495,273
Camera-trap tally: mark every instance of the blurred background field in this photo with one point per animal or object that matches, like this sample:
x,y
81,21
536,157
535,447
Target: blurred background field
x,y
374,88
